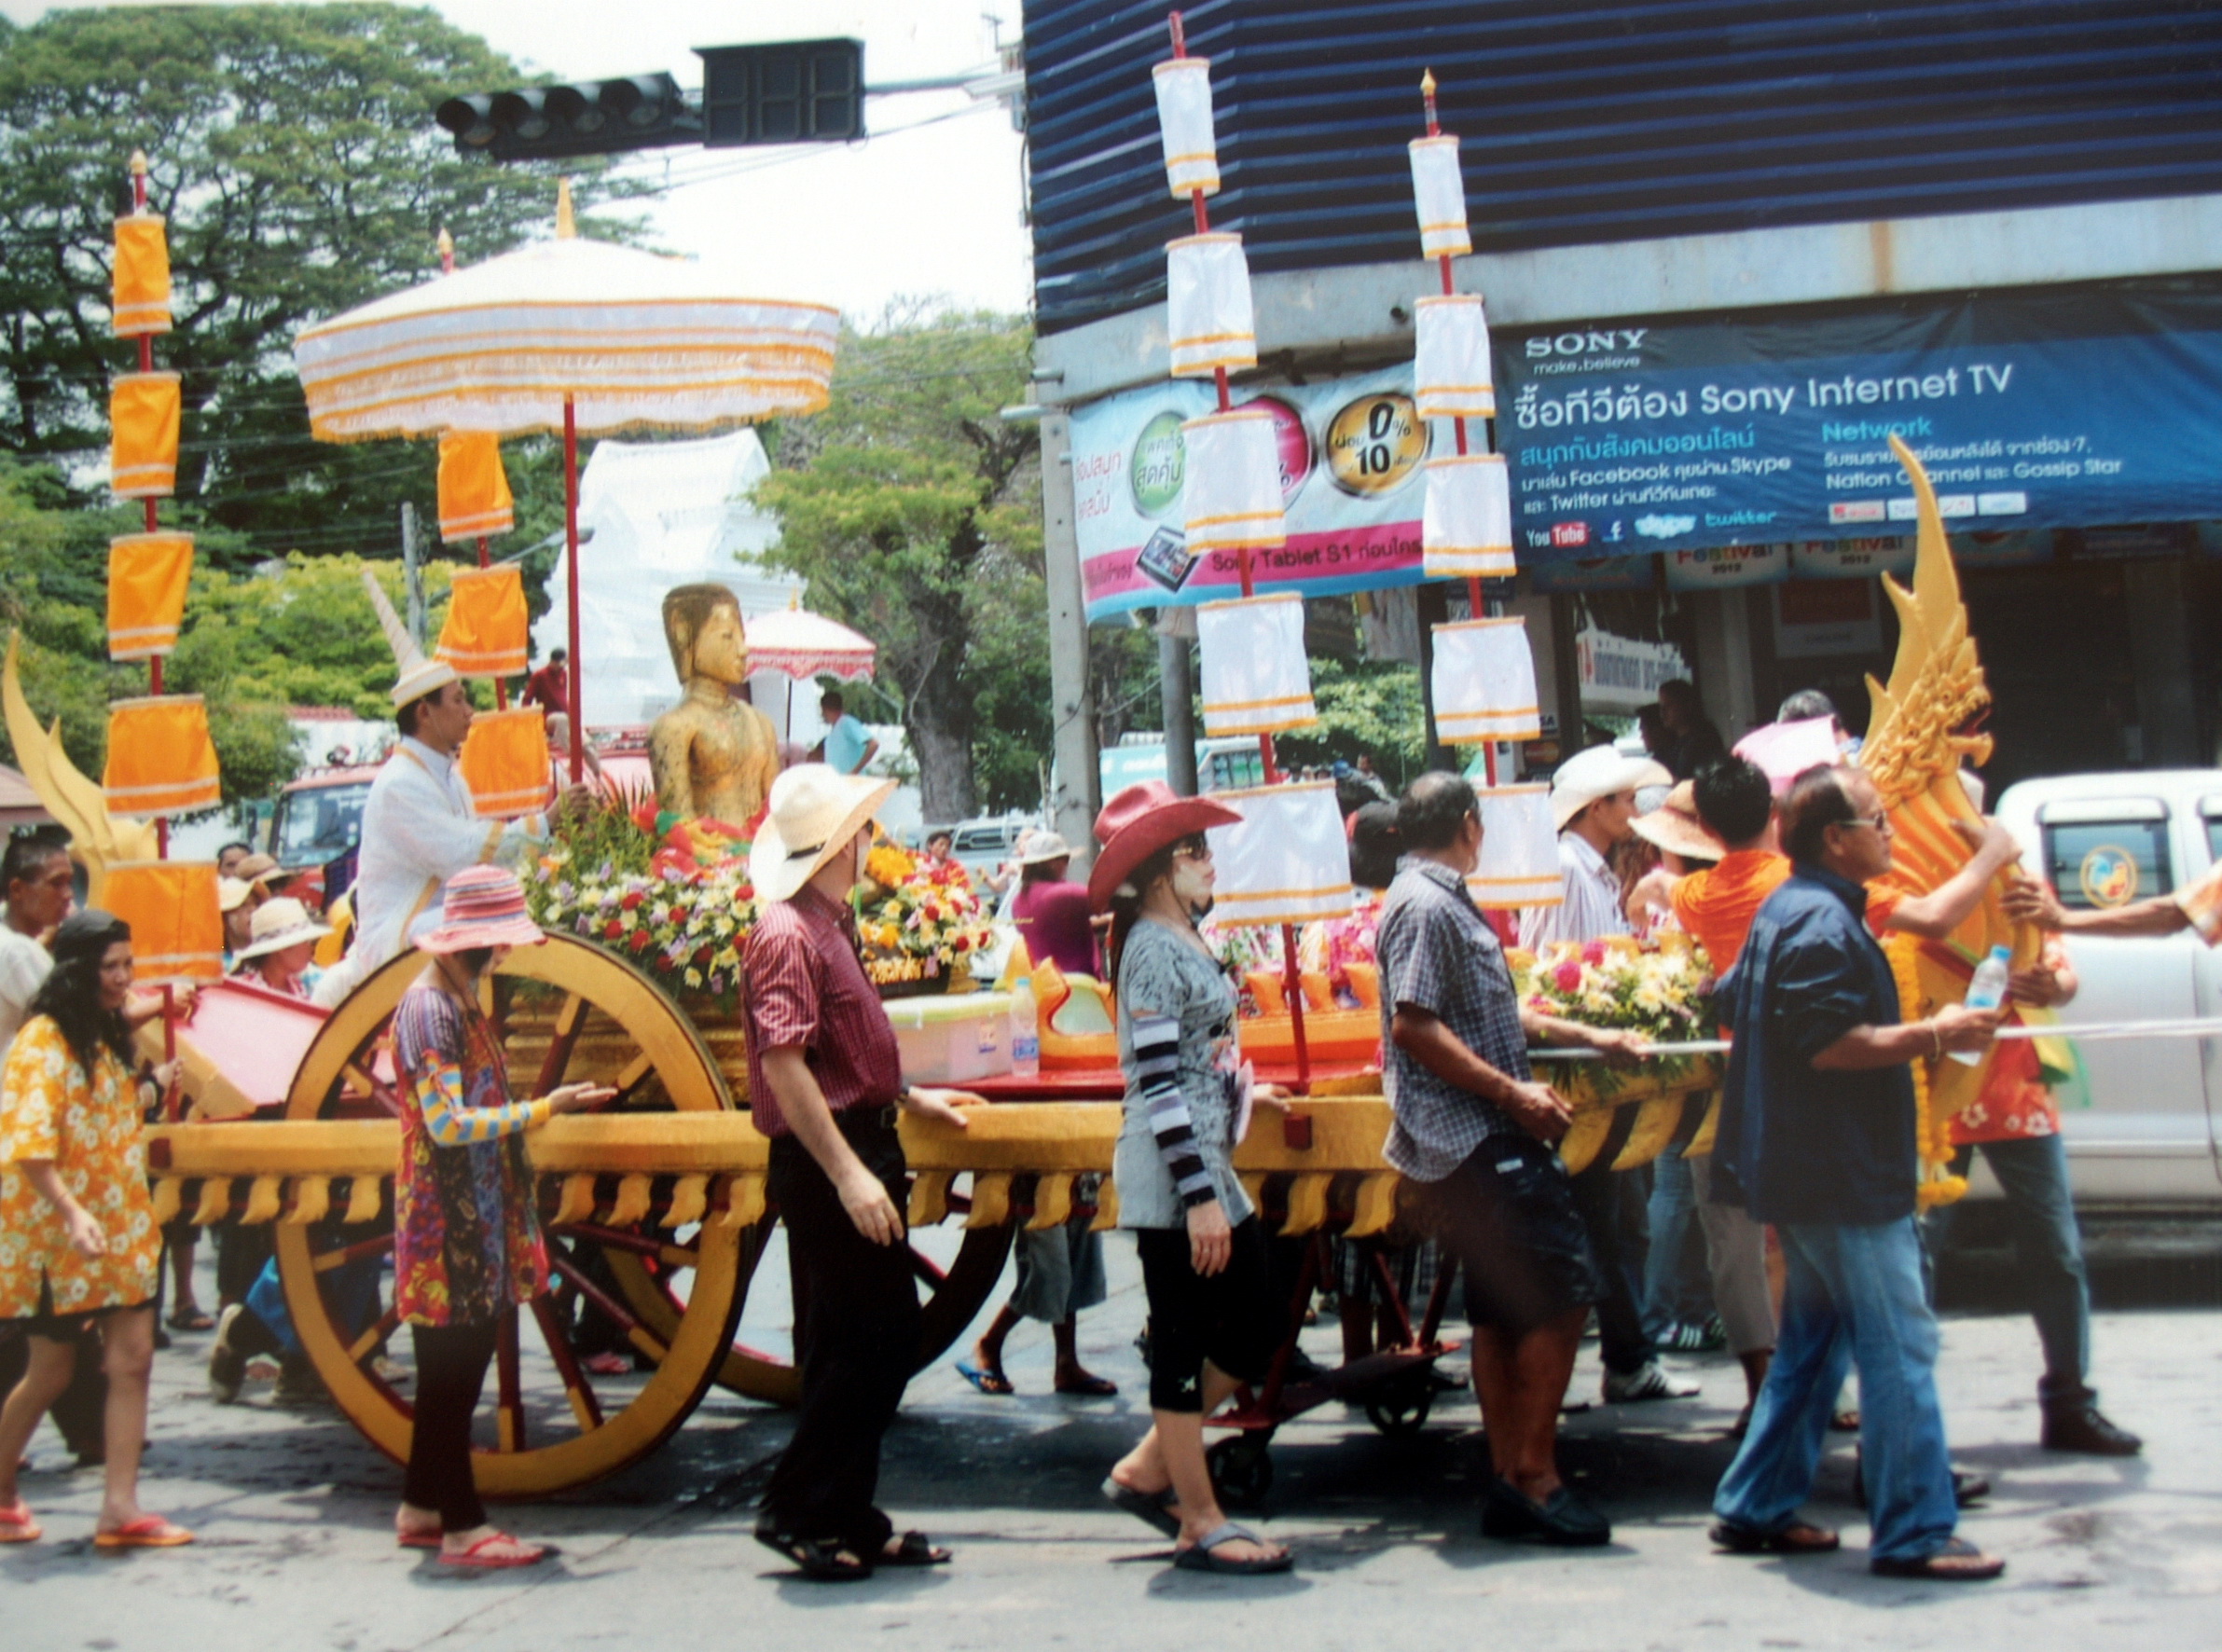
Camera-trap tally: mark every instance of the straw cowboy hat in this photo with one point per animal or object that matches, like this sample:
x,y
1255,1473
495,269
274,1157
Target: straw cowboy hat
x,y
1137,823
814,812
483,906
233,893
281,923
1599,772
1040,847
416,675
1675,827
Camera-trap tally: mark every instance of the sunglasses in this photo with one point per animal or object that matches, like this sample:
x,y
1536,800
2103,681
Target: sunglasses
x,y
1878,822
1192,848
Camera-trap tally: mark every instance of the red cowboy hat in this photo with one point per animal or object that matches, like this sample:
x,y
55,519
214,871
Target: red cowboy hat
x,y
1137,823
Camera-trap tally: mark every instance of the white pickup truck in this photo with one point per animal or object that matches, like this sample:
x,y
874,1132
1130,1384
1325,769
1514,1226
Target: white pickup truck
x,y
2141,1123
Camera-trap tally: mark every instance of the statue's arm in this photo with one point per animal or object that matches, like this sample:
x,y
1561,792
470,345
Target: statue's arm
x,y
669,762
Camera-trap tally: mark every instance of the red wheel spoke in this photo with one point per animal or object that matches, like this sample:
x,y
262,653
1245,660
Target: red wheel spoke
x,y
326,1260
924,1268
361,1348
620,1315
576,1388
570,1020
509,1412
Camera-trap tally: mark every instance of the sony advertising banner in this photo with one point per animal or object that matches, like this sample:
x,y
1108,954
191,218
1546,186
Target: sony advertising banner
x,y
2031,411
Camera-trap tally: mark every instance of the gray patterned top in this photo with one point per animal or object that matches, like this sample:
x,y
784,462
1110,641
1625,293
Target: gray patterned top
x,y
1175,1146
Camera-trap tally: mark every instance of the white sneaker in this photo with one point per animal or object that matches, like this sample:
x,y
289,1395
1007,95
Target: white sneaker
x,y
1650,1382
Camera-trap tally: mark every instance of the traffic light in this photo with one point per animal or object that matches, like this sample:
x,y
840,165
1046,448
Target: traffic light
x,y
796,91
589,117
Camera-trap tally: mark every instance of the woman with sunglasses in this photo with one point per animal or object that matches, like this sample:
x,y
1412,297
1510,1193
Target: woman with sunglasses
x,y
1213,1320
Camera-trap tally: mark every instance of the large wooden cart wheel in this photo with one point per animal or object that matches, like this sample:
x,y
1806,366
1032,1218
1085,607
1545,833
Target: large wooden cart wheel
x,y
566,1012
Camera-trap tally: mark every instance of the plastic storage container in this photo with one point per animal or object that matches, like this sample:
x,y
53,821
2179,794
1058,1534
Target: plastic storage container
x,y
952,1038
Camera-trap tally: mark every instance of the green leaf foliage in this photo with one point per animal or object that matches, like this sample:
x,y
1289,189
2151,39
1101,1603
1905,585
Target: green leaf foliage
x,y
914,510
1364,706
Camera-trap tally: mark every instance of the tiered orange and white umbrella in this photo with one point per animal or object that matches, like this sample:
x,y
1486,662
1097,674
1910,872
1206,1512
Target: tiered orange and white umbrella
x,y
566,334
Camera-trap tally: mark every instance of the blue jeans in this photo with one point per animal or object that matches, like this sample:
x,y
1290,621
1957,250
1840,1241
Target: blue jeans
x,y
2033,1172
1854,1297
1677,1289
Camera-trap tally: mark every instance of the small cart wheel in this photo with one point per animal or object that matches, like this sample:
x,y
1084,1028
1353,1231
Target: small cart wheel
x,y
1402,1407
1242,1468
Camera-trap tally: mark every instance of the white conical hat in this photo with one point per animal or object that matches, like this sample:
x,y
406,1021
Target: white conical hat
x,y
418,676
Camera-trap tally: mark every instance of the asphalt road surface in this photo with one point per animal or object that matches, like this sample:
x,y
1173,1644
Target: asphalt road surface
x,y
296,1549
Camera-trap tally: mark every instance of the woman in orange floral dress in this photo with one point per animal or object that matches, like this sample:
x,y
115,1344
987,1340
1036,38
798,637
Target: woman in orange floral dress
x,y
77,1234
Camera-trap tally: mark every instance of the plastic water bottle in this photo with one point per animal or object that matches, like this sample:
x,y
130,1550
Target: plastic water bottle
x,y
1026,1032
1987,991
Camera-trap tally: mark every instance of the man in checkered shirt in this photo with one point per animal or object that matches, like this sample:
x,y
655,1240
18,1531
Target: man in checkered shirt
x,y
1473,1132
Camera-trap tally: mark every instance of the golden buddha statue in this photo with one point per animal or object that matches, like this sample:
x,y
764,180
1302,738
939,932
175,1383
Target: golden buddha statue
x,y
713,753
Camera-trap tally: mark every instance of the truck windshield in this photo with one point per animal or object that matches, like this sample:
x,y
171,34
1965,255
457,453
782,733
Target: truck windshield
x,y
318,823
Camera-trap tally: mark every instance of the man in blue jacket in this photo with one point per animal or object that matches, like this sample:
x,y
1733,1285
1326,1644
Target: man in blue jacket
x,y
1818,1137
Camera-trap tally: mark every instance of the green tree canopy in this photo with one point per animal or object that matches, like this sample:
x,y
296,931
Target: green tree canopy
x,y
293,154
915,512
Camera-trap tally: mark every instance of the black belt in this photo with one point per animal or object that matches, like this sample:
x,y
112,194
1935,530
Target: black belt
x,y
867,1119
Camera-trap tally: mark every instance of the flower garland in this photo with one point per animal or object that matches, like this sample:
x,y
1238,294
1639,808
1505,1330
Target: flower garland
x,y
1932,1135
1662,988
916,926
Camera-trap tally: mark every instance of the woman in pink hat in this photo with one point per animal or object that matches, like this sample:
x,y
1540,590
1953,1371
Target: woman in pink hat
x,y
1212,1318
458,1274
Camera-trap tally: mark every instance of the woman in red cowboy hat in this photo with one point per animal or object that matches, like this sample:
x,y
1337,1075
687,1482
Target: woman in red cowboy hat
x,y
456,1275
1212,1323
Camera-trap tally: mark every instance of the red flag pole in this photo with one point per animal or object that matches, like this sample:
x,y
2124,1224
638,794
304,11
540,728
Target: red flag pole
x,y
1292,976
155,684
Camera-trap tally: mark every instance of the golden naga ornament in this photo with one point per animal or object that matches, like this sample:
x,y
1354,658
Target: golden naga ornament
x,y
1924,725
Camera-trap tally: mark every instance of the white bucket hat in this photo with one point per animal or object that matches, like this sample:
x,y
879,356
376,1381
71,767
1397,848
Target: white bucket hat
x,y
1040,847
813,812
1599,772
417,676
280,923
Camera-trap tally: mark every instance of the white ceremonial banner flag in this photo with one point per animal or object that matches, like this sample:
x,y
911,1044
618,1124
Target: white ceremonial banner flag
x,y
1450,360
1184,122
1466,526
1257,679
1209,322
1288,861
1519,849
1234,482
1485,682
1439,192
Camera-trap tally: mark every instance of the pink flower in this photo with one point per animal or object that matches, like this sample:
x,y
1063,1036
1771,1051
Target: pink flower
x,y
1567,976
1593,953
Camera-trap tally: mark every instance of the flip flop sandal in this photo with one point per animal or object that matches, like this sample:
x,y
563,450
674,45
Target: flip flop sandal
x,y
477,1558
196,1320
416,1539
17,1526
983,1379
820,1560
149,1531
914,1549
1200,1556
1937,1566
1152,1508
1798,1537
1092,1387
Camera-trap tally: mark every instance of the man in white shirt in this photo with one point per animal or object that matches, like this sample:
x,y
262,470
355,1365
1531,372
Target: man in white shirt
x,y
419,826
1592,799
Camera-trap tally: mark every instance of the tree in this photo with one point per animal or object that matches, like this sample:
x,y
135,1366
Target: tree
x,y
914,510
1371,707
293,154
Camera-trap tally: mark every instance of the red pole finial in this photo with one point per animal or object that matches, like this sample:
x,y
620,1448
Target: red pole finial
x,y
1179,35
447,246
1427,92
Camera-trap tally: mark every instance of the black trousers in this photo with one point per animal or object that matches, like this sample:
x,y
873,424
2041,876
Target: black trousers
x,y
1616,1209
451,1361
856,1340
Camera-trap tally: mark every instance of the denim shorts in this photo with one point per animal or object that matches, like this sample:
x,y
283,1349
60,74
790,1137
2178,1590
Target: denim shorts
x,y
1507,1215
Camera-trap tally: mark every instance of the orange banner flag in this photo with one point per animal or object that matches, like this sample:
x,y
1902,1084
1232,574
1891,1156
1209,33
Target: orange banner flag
x,y
474,489
147,575
486,632
177,933
143,409
160,758
139,293
505,762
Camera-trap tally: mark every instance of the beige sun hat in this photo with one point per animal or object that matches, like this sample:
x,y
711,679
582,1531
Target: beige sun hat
x,y
812,813
1041,847
417,676
1675,827
280,923
1599,772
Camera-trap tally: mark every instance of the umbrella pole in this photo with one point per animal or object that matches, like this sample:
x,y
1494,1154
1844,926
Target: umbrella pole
x,y
570,558
486,559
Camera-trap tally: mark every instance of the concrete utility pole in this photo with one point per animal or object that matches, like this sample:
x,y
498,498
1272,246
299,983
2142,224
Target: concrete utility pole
x,y
412,575
1073,800
1177,691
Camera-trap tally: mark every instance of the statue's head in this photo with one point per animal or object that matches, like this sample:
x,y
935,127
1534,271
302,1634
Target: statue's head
x,y
702,624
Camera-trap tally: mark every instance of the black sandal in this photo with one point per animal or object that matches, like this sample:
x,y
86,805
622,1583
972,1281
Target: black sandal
x,y
1958,1561
913,1549
822,1560
1798,1537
